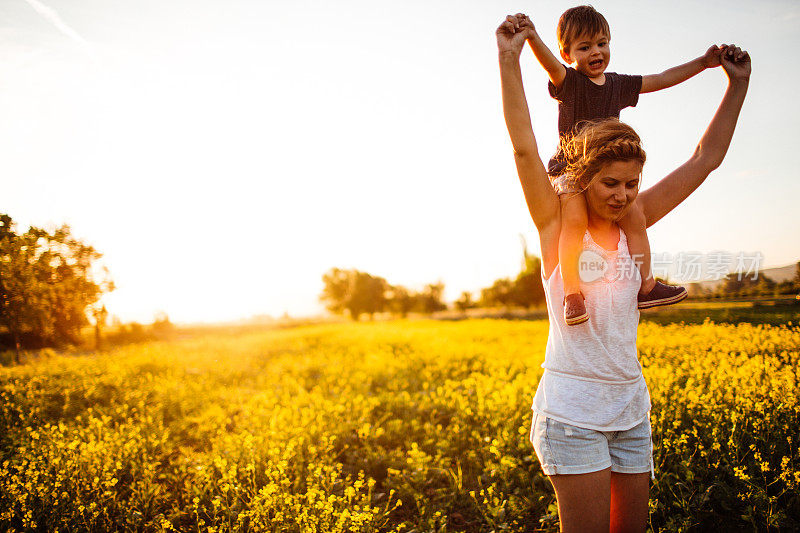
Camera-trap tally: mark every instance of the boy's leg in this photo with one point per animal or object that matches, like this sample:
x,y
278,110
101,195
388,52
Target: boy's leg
x,y
652,293
573,227
634,224
574,221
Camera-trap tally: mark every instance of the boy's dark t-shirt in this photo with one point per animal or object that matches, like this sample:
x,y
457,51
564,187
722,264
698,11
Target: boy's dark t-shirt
x,y
579,99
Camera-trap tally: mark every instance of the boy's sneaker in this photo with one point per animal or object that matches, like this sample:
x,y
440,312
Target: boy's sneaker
x,y
575,310
662,295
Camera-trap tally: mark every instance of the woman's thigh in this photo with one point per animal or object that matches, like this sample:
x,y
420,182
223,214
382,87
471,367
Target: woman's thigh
x,y
584,501
602,501
630,494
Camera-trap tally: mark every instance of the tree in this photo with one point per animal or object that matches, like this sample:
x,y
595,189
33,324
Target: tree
x,y
100,315
336,290
738,285
46,285
500,293
733,284
764,285
465,302
353,291
528,290
785,288
525,290
430,299
162,327
797,276
15,271
368,295
400,300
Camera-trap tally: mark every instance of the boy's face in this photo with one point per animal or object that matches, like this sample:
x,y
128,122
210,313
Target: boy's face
x,y
590,54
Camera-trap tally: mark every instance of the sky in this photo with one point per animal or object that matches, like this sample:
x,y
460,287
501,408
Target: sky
x,y
222,156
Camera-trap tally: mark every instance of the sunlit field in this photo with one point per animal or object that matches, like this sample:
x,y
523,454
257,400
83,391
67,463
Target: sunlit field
x,y
386,426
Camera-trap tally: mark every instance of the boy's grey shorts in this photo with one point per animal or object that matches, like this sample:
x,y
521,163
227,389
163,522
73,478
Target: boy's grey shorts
x,y
566,449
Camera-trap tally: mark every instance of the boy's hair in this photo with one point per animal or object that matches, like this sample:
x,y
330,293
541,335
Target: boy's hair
x,y
577,21
597,144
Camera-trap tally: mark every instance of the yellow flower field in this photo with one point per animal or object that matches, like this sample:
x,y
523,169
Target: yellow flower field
x,y
388,426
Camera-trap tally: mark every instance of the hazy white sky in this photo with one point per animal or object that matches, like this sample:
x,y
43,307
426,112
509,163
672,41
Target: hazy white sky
x,y
224,155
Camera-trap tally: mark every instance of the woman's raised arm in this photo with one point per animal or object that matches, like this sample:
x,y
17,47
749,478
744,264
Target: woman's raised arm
x,y
665,195
539,194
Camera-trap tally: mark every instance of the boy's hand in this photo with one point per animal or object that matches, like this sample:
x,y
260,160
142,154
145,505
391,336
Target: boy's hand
x,y
711,58
525,21
736,62
512,34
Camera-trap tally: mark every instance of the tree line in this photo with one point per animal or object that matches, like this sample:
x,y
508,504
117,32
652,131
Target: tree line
x,y
48,286
354,293
748,286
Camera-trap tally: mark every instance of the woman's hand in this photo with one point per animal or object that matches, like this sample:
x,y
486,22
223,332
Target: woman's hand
x,y
711,58
735,62
512,34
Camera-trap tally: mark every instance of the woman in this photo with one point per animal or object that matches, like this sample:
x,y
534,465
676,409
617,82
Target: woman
x,y
591,426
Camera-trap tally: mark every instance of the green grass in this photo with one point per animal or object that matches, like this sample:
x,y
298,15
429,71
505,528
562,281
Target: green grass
x,y
693,312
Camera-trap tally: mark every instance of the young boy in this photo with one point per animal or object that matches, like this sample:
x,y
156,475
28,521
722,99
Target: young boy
x,y
587,92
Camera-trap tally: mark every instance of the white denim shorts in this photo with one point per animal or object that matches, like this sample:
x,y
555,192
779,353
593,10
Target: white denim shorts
x,y
566,449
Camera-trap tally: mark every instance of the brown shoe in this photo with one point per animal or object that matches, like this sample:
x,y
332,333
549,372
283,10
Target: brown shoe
x,y
662,294
575,310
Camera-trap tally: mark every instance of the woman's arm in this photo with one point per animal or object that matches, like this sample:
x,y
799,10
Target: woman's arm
x,y
539,194
665,195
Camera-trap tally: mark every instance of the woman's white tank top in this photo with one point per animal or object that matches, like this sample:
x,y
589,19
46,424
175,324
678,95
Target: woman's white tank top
x,y
593,378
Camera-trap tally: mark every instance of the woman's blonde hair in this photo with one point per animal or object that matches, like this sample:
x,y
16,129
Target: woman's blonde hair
x,y
597,144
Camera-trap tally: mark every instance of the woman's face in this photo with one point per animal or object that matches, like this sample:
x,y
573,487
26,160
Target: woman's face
x,y
613,190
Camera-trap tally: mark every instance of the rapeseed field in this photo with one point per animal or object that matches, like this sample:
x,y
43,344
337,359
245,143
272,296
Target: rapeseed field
x,y
409,426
